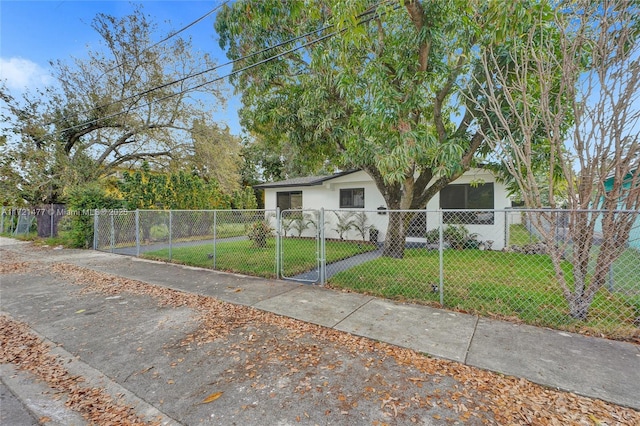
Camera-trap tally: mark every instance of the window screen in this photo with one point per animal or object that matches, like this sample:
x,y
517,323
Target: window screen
x,y
289,200
468,197
352,198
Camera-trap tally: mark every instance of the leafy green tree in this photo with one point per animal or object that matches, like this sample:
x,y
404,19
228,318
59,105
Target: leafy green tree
x,y
244,199
112,110
146,189
381,92
215,156
82,200
266,161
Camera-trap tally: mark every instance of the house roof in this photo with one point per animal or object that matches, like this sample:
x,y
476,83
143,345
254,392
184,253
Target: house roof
x,y
303,181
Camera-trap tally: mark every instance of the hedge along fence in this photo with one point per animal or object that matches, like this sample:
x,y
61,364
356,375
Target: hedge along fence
x,y
489,262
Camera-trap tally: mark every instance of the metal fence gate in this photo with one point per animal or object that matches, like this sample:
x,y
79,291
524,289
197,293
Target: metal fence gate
x,y
300,242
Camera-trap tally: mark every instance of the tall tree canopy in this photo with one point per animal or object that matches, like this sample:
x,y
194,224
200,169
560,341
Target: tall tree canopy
x,y
215,154
127,101
372,85
575,97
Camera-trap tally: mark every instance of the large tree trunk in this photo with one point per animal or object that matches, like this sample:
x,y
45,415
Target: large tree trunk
x,y
410,194
579,306
394,243
580,292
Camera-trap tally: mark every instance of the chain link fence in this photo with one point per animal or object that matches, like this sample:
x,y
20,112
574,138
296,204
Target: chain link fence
x,y
241,241
573,270
8,220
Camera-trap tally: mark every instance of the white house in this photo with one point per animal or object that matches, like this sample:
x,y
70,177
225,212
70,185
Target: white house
x,y
468,200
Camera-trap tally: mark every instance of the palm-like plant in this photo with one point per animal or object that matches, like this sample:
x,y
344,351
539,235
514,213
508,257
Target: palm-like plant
x,y
300,224
344,224
286,226
360,224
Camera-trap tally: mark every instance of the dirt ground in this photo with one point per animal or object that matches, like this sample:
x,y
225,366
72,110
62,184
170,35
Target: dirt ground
x,y
199,360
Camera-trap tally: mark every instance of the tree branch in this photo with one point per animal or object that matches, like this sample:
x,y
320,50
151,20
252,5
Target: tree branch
x,y
416,13
139,156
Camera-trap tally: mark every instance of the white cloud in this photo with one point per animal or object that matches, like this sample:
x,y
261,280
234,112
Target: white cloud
x,y
21,74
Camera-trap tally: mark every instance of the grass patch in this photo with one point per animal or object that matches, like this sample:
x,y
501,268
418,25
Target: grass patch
x,y
299,255
229,230
490,283
234,256
63,239
625,272
31,236
519,235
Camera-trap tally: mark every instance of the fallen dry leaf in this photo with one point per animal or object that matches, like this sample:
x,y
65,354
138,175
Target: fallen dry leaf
x,y
491,397
27,352
14,267
212,397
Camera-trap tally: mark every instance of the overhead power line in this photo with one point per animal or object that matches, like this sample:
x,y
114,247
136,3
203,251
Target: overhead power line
x,y
197,74
188,25
170,36
369,11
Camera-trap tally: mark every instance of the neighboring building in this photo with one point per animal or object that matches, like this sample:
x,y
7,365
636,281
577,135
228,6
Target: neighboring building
x,y
634,236
476,190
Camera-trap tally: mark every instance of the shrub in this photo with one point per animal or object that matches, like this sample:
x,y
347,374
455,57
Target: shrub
x,y
344,224
457,236
258,234
159,232
286,226
361,225
433,236
81,200
299,225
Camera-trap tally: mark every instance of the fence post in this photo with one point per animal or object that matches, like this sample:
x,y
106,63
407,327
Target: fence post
x,y
2,221
113,233
441,255
96,234
278,259
170,234
610,281
137,226
215,235
51,221
323,248
507,228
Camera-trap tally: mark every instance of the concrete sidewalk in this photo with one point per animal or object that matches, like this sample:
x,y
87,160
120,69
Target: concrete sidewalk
x,y
588,366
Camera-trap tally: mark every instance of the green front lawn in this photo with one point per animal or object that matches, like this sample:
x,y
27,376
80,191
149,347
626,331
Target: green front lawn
x,y
519,235
491,283
299,255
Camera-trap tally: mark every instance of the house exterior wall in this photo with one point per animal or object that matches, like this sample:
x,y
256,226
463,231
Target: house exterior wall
x,y
327,196
496,232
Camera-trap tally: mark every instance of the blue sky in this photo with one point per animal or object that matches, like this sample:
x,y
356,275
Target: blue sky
x,y
32,33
